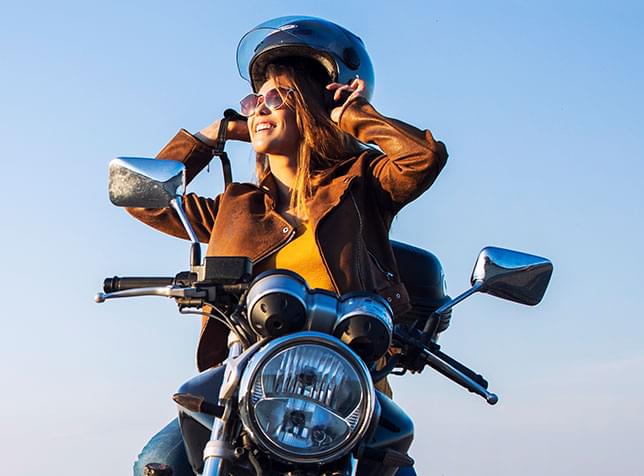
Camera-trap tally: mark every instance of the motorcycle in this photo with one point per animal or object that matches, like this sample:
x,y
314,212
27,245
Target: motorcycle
x,y
296,394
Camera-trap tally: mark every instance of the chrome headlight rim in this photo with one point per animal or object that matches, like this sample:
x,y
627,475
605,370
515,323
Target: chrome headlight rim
x,y
274,347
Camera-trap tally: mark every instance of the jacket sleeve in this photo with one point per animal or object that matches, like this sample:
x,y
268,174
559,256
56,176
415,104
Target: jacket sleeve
x,y
411,158
201,211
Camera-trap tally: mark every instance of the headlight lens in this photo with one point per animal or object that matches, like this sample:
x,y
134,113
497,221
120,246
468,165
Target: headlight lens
x,y
306,398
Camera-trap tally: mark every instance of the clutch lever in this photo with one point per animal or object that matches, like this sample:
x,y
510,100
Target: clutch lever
x,y
173,291
456,375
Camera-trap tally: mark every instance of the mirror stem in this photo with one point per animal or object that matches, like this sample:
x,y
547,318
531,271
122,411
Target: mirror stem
x,y
476,287
434,320
195,250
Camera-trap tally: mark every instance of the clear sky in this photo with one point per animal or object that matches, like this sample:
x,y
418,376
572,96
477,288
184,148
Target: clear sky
x,y
540,105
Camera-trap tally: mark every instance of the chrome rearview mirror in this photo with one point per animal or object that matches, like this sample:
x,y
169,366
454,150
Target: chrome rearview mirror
x,y
145,183
152,183
507,274
512,275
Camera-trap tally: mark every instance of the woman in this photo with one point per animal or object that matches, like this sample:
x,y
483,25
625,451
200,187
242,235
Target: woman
x,y
324,202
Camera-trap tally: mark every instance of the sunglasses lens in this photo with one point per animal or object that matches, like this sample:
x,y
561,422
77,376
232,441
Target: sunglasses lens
x,y
248,104
274,99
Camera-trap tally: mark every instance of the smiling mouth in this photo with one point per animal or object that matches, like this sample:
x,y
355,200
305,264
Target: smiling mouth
x,y
263,126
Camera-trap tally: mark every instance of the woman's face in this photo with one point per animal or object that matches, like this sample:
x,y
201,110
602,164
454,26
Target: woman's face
x,y
274,132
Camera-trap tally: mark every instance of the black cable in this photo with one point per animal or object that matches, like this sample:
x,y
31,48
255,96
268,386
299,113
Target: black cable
x,y
378,375
211,316
234,326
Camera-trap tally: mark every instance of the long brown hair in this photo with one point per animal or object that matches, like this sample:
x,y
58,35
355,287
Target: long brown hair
x,y
322,143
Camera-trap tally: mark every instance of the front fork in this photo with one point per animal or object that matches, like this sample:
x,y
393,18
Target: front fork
x,y
219,449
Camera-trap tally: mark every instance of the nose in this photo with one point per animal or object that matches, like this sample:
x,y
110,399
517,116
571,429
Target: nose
x,y
262,108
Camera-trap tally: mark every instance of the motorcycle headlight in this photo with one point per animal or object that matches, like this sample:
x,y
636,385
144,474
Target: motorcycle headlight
x,y
306,398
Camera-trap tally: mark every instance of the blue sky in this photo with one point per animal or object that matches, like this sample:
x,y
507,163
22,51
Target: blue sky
x,y
540,105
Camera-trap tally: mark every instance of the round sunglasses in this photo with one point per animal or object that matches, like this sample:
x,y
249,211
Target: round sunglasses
x,y
272,99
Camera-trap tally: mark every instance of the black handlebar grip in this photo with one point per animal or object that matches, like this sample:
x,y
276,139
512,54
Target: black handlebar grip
x,y
114,284
478,378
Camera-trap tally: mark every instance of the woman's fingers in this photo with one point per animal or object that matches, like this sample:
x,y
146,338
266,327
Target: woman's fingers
x,y
332,86
340,91
355,88
358,85
359,88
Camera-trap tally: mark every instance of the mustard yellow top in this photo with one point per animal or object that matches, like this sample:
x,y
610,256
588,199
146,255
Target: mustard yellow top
x,y
302,255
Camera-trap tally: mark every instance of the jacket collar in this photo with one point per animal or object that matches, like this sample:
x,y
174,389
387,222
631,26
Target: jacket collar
x,y
333,185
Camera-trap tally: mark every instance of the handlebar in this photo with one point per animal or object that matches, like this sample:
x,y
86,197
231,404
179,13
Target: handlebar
x,y
478,378
182,286
416,355
116,283
455,374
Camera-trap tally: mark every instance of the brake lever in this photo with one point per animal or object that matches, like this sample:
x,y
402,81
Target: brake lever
x,y
417,355
454,374
173,291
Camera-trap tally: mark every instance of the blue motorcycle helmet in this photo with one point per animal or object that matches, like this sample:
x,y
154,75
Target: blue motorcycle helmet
x,y
341,55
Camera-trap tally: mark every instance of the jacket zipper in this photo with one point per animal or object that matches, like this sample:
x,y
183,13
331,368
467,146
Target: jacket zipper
x,y
359,253
388,274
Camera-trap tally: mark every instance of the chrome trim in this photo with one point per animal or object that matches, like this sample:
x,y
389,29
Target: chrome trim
x,y
276,282
371,305
512,275
353,462
234,368
232,372
172,291
257,362
322,312
177,205
322,307
218,449
477,286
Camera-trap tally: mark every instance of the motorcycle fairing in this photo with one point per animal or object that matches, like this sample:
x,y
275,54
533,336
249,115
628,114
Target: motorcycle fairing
x,y
394,430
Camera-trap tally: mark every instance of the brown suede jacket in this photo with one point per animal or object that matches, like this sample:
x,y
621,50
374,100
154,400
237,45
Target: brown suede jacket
x,y
351,211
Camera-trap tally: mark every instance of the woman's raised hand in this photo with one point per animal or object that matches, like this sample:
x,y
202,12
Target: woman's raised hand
x,y
236,130
354,89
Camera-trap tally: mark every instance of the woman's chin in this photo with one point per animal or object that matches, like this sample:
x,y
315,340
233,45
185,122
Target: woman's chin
x,y
272,148
262,146
272,143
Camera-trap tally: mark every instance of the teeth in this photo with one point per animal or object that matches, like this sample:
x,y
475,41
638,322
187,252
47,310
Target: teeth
x,y
263,126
